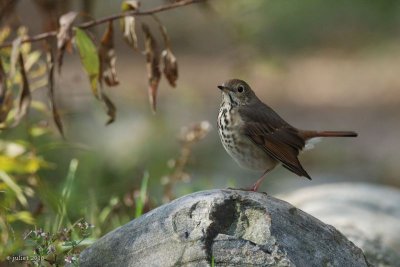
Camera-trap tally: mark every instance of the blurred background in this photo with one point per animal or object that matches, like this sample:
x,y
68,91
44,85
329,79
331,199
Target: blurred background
x,y
321,65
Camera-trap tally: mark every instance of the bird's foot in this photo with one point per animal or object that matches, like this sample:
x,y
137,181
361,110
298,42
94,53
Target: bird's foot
x,y
254,187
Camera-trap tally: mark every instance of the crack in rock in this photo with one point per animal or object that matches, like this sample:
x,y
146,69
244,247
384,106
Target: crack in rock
x,y
222,216
230,221
246,239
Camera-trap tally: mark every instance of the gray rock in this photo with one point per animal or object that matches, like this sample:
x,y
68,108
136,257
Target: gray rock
x,y
367,214
228,228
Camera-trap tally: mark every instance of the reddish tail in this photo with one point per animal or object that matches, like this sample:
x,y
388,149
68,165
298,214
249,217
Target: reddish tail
x,y
311,134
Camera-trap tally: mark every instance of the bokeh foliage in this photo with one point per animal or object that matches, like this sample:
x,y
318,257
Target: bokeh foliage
x,y
38,218
294,26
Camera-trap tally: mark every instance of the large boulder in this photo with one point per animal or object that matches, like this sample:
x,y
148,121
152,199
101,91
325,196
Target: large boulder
x,y
225,228
367,214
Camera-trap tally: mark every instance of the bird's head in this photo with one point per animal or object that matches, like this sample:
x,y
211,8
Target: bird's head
x,y
237,92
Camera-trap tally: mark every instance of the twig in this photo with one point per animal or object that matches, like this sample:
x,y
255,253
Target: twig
x,y
96,22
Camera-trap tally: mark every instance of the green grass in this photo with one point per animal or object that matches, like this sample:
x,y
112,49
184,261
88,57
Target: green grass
x,y
62,215
142,195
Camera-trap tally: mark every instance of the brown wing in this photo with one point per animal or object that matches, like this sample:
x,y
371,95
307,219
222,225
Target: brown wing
x,y
279,139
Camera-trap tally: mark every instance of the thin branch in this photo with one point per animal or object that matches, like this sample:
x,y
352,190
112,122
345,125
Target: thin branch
x,y
96,22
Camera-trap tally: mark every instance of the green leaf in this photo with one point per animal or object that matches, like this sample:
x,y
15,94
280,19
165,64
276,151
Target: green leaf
x,y
89,58
21,165
23,216
31,59
130,5
114,201
14,187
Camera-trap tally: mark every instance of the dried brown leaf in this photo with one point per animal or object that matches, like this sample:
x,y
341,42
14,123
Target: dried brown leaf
x,y
163,31
6,100
53,106
111,109
108,58
3,82
16,47
170,67
152,64
5,106
169,59
25,95
64,35
128,26
128,23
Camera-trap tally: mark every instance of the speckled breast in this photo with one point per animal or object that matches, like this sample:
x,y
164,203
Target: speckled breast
x,y
239,146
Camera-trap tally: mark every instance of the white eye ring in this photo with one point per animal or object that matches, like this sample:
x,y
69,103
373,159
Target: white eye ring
x,y
240,89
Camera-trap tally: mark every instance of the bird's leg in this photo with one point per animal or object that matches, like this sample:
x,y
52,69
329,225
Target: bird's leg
x,y
257,184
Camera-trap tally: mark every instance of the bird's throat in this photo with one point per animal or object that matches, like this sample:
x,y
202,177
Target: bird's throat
x,y
228,98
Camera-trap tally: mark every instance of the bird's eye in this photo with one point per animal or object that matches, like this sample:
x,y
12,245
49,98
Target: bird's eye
x,y
240,89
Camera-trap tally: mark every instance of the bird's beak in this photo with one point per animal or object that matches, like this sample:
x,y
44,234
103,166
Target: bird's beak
x,y
224,88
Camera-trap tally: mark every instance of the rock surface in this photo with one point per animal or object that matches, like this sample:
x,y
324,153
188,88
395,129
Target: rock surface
x,y
369,215
228,228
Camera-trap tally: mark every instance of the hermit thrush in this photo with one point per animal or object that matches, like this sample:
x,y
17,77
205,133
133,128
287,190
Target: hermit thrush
x,y
256,137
